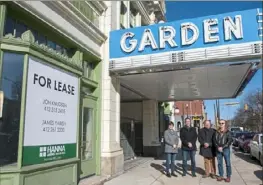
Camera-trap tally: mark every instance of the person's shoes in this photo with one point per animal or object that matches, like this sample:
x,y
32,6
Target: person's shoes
x,y
184,175
194,175
213,176
168,175
227,179
173,174
205,176
220,178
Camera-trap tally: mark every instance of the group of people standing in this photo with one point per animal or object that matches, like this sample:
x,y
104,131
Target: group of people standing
x,y
213,144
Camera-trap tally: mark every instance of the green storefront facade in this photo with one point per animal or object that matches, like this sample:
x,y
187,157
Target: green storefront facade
x,y
51,87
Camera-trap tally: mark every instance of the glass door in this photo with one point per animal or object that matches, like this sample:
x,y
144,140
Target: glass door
x,y
88,139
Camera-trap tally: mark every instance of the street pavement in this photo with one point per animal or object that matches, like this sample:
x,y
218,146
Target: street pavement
x,y
245,171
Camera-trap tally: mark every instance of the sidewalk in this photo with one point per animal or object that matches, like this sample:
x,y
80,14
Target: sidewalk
x,y
243,173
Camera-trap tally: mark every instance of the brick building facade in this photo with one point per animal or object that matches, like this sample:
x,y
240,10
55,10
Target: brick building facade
x,y
195,110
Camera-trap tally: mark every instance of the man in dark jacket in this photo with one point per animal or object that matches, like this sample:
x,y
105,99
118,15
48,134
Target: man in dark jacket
x,y
188,136
207,149
222,140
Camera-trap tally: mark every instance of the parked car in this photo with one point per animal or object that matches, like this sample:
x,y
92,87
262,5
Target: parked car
x,y
256,147
244,140
246,147
235,136
236,129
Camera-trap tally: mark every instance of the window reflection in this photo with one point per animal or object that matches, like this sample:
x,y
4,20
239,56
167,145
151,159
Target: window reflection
x,y
88,69
87,133
17,28
20,29
11,85
9,26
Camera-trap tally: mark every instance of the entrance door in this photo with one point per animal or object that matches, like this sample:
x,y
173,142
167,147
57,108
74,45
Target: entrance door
x,y
127,141
131,139
88,138
138,139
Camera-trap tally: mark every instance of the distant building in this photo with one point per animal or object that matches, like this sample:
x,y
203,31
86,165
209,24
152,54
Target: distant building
x,y
195,110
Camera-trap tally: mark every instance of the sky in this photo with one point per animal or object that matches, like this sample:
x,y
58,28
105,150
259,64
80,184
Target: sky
x,y
190,9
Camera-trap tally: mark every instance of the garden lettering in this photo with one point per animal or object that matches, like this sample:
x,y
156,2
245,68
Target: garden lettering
x,y
166,34
56,85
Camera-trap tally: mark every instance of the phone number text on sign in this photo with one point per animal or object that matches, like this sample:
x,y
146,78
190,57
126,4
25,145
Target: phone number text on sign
x,y
53,126
55,107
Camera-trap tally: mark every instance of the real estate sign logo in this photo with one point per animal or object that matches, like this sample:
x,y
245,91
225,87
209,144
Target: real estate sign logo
x,y
50,151
51,114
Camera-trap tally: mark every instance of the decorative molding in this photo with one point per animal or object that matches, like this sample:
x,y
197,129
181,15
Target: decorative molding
x,y
2,18
160,8
143,11
27,39
47,166
100,5
90,97
85,25
73,38
154,7
88,82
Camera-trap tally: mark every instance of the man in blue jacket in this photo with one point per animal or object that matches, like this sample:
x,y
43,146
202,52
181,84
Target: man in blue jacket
x,y
188,136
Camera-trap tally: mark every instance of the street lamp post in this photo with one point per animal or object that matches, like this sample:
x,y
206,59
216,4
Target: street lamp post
x,y
186,110
176,111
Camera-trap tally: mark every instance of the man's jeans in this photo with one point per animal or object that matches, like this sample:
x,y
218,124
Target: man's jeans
x,y
226,155
170,158
192,157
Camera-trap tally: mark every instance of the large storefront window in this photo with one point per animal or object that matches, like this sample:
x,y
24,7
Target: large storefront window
x,y
11,85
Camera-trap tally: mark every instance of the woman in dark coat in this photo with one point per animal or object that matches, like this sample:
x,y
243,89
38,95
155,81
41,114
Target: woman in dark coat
x,y
207,149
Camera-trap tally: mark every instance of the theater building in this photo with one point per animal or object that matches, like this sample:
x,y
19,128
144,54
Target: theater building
x,y
50,63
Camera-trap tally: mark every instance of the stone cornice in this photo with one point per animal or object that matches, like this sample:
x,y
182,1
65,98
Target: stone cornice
x,y
143,11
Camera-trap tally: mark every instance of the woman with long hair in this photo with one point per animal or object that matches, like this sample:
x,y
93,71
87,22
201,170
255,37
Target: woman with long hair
x,y
222,141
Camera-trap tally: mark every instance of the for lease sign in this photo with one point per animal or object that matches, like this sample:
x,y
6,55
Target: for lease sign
x,y
51,114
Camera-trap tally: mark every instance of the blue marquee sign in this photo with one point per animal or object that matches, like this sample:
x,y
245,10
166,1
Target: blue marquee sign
x,y
215,30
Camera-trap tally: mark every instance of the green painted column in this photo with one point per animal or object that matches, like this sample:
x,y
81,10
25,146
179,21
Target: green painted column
x,y
2,18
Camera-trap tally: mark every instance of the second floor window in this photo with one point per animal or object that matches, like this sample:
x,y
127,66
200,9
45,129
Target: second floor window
x,y
88,70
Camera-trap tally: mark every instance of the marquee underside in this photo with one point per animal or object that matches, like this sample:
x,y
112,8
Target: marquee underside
x,y
210,73
190,84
